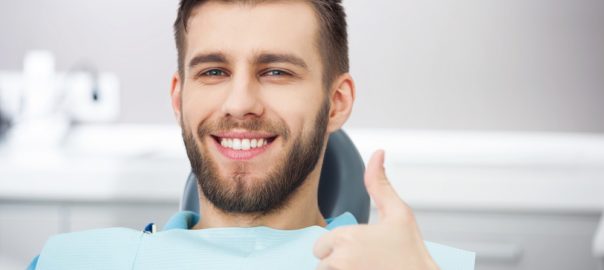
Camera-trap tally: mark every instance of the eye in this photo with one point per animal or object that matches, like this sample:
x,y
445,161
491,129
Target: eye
x,y
212,76
276,72
213,73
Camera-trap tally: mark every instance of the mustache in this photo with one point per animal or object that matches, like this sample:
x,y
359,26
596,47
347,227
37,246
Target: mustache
x,y
252,124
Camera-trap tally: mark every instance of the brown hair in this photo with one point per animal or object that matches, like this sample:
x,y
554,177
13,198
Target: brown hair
x,y
332,40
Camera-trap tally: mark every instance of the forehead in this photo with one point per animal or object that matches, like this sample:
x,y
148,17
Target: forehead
x,y
238,29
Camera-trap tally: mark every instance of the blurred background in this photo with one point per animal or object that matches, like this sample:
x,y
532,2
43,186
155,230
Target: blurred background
x,y
491,114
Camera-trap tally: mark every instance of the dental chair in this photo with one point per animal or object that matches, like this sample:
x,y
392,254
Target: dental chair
x,y
341,187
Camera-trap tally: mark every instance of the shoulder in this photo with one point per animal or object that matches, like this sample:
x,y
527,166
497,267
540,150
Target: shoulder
x,y
114,247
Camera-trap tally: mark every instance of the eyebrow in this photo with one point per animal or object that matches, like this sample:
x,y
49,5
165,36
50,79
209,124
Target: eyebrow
x,y
265,58
207,58
269,58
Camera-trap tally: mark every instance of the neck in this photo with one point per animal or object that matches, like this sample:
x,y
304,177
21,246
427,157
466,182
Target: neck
x,y
300,211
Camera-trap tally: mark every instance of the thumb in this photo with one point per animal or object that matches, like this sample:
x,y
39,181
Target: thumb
x,y
379,188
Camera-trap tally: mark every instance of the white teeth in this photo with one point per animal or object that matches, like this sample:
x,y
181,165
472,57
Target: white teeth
x,y
245,144
242,144
237,144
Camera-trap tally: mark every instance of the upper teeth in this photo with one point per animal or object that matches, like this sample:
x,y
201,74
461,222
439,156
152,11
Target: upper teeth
x,y
242,144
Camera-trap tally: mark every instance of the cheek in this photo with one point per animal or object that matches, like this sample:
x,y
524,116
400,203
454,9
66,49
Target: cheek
x,y
197,106
297,110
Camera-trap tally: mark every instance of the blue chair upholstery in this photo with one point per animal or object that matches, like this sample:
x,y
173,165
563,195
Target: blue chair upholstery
x,y
341,187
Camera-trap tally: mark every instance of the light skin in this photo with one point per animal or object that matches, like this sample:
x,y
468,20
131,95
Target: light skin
x,y
261,61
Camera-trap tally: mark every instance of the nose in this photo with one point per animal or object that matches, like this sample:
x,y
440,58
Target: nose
x,y
243,98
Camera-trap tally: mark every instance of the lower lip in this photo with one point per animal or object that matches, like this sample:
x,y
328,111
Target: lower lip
x,y
240,154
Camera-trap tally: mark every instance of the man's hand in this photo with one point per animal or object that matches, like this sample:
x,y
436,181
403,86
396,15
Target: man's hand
x,y
393,243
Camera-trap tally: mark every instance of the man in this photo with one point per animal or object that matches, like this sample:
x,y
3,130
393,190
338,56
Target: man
x,y
259,88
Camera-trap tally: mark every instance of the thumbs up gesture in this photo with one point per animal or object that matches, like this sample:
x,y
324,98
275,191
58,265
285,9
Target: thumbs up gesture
x,y
392,243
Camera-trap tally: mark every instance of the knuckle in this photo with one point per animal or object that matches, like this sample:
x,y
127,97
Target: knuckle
x,y
383,180
345,237
406,215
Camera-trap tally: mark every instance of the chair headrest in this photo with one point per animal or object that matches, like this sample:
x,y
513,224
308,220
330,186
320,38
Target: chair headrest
x,y
341,187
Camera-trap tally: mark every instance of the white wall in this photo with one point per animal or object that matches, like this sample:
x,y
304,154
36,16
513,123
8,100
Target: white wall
x,y
479,64
473,64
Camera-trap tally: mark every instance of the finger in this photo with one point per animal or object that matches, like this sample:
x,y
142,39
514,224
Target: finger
x,y
324,245
379,188
323,265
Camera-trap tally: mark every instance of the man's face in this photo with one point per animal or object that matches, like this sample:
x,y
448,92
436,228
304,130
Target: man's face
x,y
253,109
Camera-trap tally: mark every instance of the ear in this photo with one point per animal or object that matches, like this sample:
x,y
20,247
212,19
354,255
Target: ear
x,y
175,96
342,95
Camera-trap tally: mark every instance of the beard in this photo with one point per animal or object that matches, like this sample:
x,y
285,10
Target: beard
x,y
236,194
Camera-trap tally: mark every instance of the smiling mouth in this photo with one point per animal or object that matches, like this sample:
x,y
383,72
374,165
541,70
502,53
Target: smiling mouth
x,y
244,143
242,146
